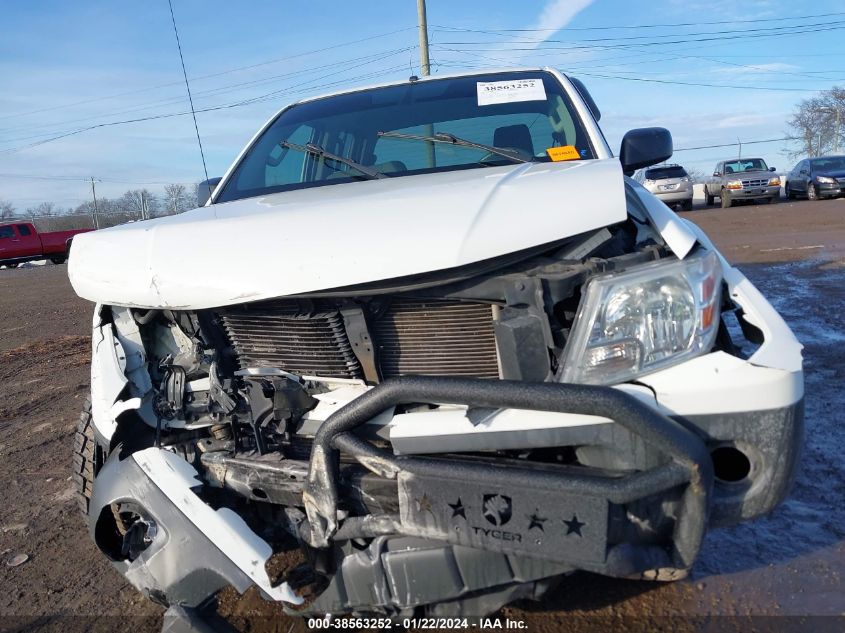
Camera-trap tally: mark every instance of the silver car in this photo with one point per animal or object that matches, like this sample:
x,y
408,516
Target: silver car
x,y
670,183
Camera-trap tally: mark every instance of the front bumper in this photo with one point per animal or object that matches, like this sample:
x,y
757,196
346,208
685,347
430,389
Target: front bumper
x,y
753,193
542,521
829,189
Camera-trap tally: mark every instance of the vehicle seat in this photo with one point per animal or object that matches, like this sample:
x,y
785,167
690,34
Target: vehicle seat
x,y
515,137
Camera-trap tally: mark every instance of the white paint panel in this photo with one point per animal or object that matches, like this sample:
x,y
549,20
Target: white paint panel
x,y
345,234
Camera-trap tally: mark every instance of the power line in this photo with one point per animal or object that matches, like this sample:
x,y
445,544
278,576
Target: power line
x,y
211,75
88,179
697,84
188,88
768,30
768,140
642,26
254,100
741,35
204,93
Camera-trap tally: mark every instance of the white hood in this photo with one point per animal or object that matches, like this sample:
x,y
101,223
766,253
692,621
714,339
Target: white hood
x,y
342,235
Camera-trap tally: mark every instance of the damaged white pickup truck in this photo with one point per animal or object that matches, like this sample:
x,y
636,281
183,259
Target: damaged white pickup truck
x,y
425,351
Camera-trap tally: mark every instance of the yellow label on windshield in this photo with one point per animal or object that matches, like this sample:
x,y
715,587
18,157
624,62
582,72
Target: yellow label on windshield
x,y
567,152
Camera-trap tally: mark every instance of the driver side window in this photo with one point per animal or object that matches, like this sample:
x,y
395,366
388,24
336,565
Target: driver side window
x,y
286,166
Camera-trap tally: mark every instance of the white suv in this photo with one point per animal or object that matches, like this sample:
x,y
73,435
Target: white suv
x,y
670,183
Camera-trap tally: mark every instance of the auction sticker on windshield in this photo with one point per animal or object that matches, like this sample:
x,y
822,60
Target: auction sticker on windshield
x,y
492,92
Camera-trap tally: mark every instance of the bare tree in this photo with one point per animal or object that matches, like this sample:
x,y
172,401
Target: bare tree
x,y
141,203
818,124
7,210
696,175
43,210
176,198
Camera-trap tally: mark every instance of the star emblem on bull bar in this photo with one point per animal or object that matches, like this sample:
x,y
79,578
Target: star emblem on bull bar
x,y
458,509
536,521
574,526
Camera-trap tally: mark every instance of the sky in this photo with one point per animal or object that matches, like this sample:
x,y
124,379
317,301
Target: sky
x,y
67,67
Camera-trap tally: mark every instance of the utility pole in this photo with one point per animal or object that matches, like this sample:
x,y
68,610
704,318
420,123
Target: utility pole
x,y
143,206
425,66
738,140
94,217
425,71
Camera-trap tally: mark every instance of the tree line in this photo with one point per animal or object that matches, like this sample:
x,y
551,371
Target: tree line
x,y
134,204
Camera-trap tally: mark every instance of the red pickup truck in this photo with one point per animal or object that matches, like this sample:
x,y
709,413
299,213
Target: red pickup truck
x,y
21,242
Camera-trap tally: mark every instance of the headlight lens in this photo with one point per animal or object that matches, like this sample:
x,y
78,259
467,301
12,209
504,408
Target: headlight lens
x,y
774,182
826,179
734,184
644,319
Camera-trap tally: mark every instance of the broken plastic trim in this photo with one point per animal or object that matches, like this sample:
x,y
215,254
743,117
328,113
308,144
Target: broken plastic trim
x,y
689,459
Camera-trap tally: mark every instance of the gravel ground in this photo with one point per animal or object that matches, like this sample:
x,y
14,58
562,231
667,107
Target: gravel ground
x,y
788,564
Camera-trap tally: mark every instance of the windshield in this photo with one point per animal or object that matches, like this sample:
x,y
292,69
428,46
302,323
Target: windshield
x,y
829,163
524,111
661,173
746,164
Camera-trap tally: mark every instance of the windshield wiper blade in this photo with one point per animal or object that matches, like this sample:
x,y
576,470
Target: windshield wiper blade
x,y
445,137
316,150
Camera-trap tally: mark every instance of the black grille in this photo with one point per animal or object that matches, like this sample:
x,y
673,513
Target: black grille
x,y
278,335
442,338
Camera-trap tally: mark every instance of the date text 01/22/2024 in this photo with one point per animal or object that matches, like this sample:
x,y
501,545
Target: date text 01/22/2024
x,y
489,624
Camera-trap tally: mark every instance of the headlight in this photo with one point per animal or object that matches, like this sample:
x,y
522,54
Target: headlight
x,y
774,182
826,179
734,184
644,319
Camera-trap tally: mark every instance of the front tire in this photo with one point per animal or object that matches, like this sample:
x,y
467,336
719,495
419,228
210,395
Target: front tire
x,y
57,260
812,194
88,458
708,199
686,205
725,198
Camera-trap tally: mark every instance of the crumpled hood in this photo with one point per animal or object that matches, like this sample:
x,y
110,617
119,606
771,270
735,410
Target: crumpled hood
x,y
342,235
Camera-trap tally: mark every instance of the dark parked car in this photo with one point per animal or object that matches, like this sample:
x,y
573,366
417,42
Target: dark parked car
x,y
817,178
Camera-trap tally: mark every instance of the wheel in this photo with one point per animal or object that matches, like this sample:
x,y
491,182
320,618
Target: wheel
x,y
812,194
789,194
57,260
88,458
708,199
687,205
774,199
726,199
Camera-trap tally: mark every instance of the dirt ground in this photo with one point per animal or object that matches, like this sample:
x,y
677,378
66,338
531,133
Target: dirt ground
x,y
788,564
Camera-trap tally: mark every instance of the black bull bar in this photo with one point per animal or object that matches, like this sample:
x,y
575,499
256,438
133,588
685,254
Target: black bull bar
x,y
687,463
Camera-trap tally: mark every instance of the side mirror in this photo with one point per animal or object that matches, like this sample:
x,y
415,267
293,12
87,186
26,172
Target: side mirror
x,y
644,147
205,189
772,169
716,174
